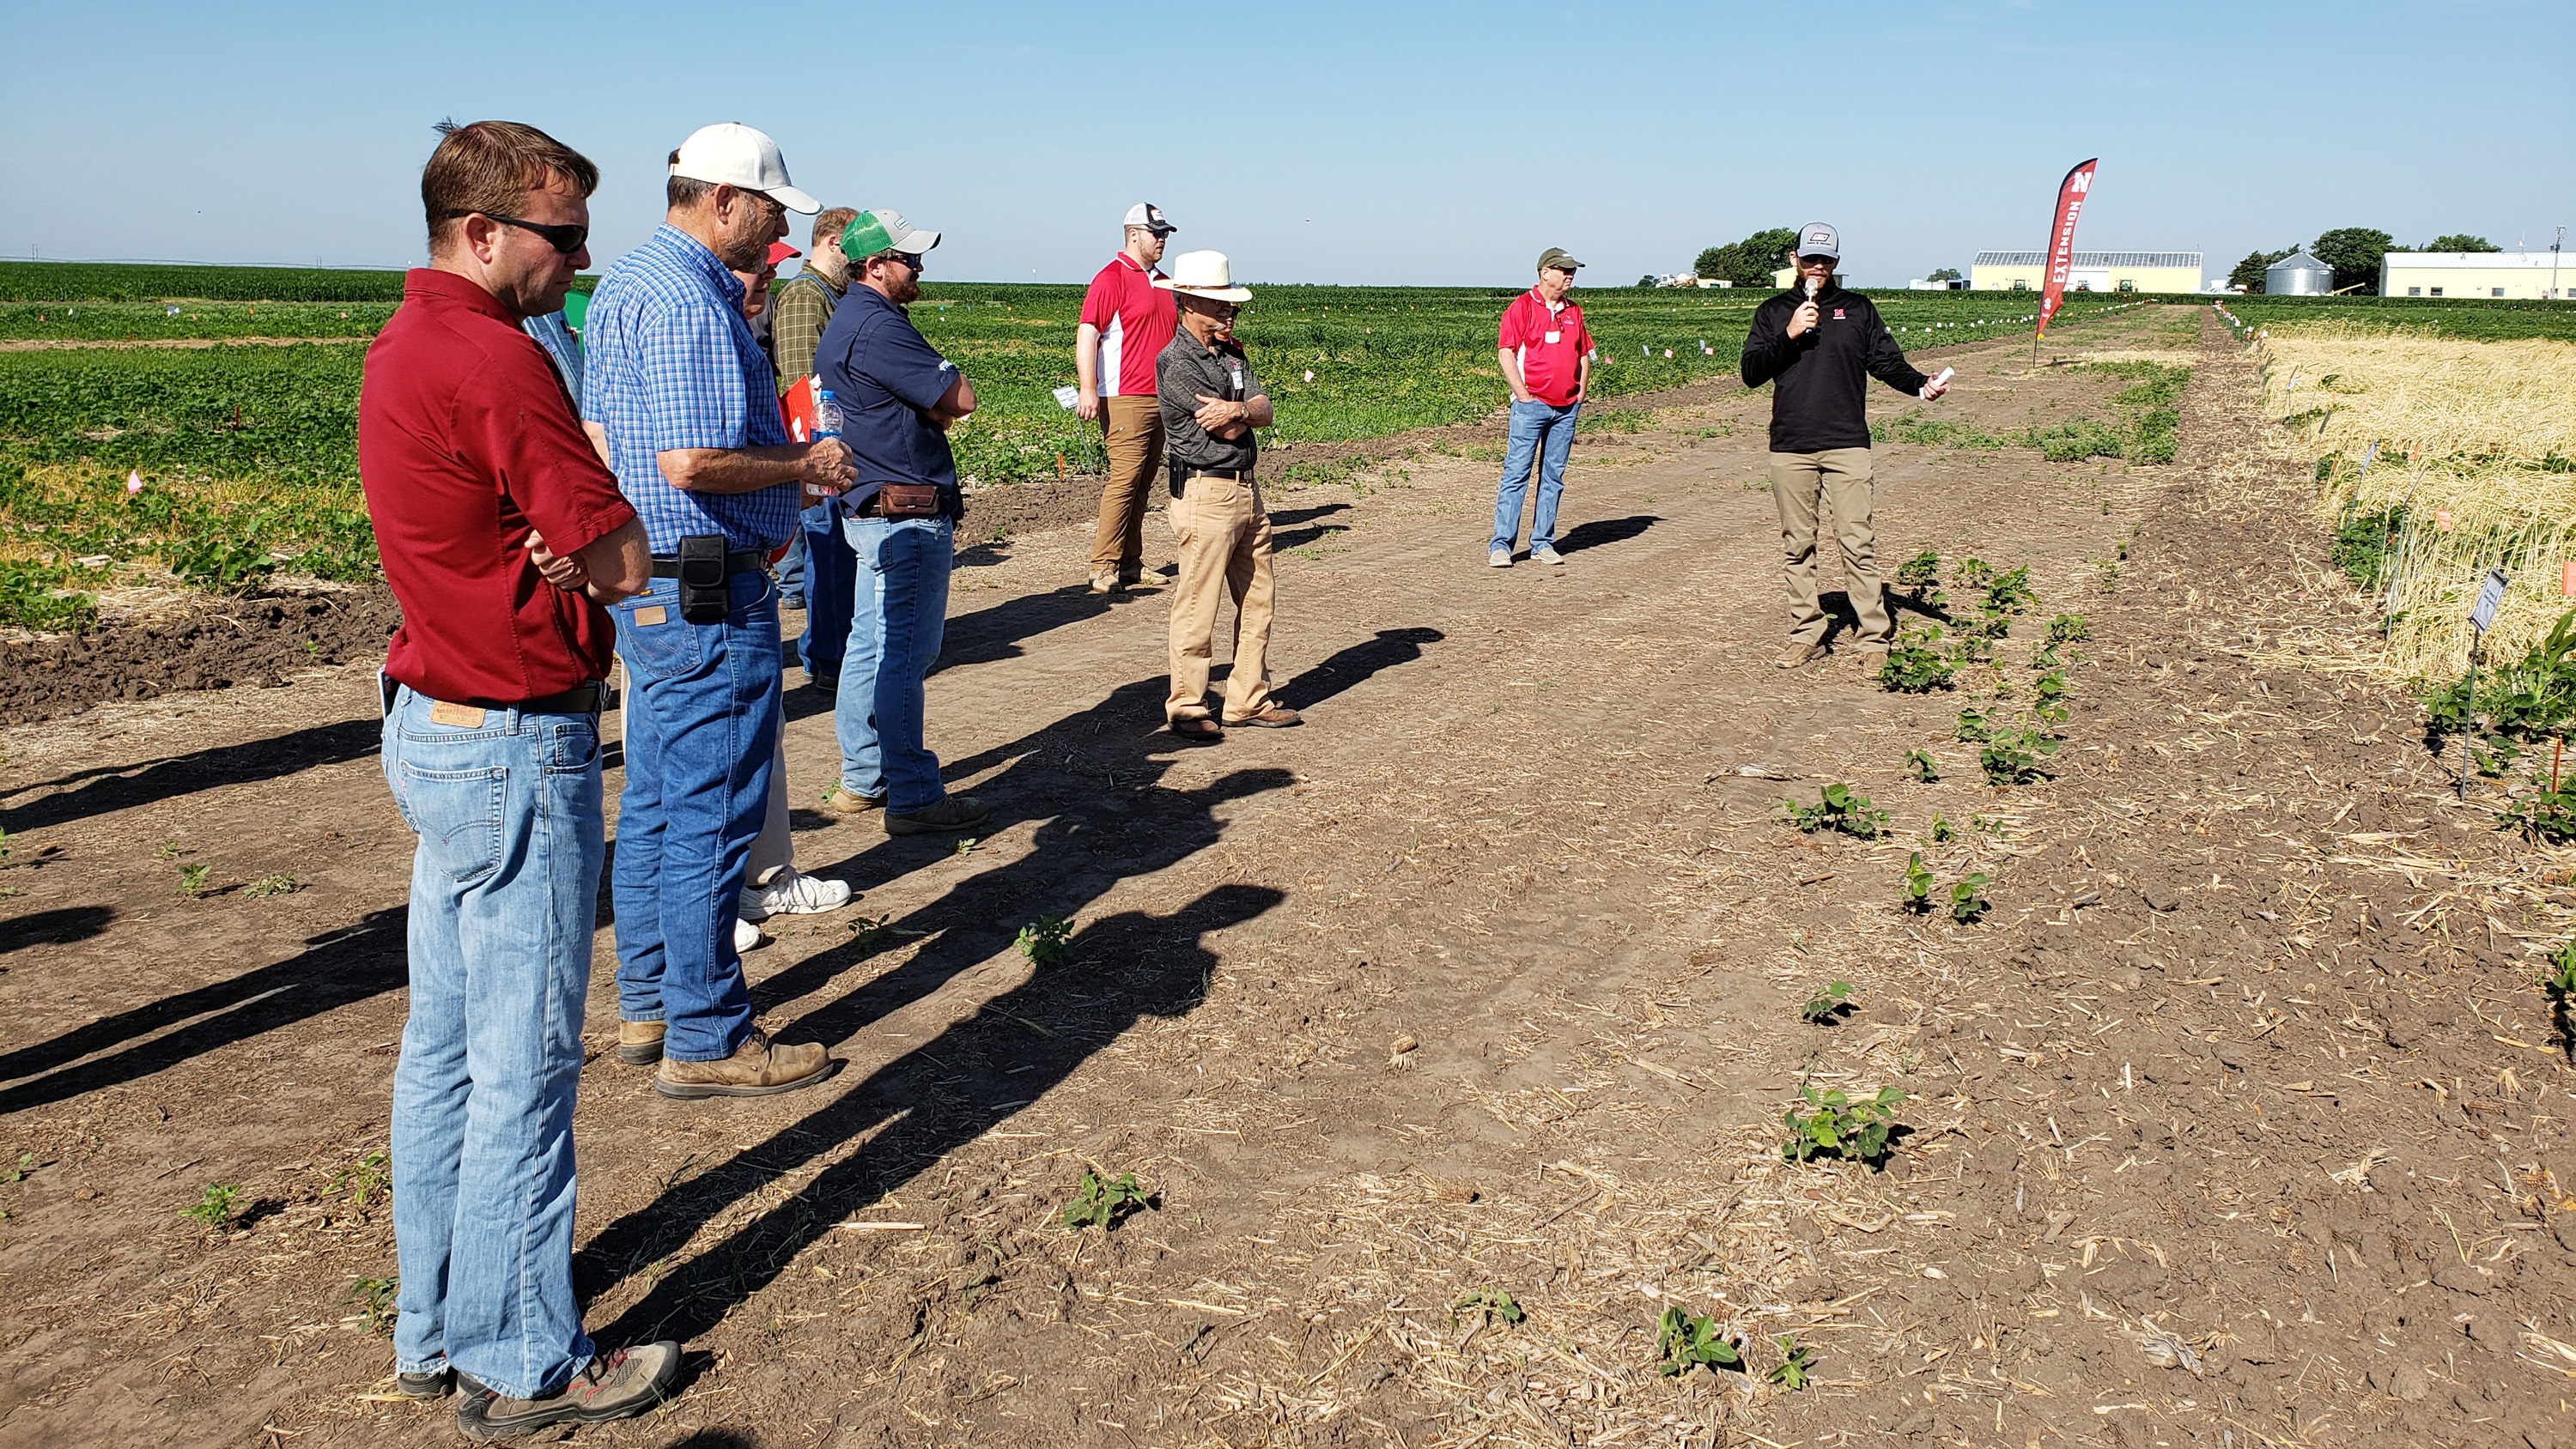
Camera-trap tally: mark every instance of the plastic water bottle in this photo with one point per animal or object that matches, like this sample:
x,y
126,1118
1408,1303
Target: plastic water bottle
x,y
827,417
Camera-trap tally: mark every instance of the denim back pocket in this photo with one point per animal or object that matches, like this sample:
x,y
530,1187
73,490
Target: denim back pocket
x,y
457,814
656,640
571,745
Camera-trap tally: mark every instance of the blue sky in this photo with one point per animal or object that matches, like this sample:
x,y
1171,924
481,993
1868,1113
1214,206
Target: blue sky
x,y
1323,142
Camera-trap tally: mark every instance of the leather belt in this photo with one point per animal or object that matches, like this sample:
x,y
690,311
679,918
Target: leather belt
x,y
580,699
740,561
1181,479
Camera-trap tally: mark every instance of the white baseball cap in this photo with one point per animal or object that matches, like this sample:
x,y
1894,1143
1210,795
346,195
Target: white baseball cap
x,y
1147,214
733,154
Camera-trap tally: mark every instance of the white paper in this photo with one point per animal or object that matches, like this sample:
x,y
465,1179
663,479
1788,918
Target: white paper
x,y
1066,397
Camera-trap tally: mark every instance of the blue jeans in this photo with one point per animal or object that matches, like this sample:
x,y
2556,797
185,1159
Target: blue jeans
x,y
504,891
895,632
1542,433
830,573
701,719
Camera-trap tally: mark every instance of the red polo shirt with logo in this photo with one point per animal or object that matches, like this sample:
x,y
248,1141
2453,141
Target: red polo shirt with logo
x,y
1551,346
1136,321
467,441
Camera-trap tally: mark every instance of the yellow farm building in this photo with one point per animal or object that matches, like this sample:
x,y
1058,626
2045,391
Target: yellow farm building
x,y
2088,272
2528,275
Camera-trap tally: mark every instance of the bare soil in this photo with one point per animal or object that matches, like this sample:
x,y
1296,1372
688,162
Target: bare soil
x,y
2224,1125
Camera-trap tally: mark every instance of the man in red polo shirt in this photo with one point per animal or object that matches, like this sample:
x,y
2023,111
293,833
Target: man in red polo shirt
x,y
502,535
1125,325
1547,359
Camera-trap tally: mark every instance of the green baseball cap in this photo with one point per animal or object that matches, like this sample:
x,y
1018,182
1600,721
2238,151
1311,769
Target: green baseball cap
x,y
1559,258
871,232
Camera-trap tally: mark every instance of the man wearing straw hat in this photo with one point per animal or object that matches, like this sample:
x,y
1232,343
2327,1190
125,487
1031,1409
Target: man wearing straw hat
x,y
1210,404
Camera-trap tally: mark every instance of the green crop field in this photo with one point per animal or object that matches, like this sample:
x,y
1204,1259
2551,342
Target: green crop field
x,y
247,458
125,282
2470,319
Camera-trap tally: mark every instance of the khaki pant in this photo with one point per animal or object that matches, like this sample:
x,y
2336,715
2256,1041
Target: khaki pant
x,y
1843,475
1132,429
1224,535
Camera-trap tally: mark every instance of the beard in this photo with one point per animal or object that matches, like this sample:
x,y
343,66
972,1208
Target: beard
x,y
746,244
904,290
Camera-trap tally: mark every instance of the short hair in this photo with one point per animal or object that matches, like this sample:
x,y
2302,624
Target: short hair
x,y
683,191
488,167
830,224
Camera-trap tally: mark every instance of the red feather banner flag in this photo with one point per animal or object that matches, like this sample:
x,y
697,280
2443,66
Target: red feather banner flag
x,y
2061,239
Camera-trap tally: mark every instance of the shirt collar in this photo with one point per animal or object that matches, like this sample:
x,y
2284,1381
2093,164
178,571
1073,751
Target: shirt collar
x,y
1552,307
693,252
1139,266
463,291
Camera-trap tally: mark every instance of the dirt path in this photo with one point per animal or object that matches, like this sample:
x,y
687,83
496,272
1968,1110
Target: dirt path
x,y
1488,978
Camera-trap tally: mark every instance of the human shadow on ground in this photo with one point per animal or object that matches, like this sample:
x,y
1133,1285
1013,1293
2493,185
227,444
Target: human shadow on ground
x,y
1602,531
1285,517
912,1111
55,927
1356,665
106,788
1300,537
337,967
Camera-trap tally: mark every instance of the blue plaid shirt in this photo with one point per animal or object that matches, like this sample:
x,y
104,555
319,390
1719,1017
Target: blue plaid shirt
x,y
668,362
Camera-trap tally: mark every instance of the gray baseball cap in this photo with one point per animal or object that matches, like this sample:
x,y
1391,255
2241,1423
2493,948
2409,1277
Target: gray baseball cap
x,y
1816,239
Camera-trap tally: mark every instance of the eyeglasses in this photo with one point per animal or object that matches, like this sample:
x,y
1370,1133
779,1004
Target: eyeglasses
x,y
909,259
563,238
1222,311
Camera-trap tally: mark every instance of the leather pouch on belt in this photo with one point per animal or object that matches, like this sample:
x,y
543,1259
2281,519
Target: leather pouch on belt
x,y
705,596
908,500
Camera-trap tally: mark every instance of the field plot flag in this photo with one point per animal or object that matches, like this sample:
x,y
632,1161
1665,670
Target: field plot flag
x,y
2061,239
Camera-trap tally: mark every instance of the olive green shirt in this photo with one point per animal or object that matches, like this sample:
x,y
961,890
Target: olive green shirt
x,y
798,312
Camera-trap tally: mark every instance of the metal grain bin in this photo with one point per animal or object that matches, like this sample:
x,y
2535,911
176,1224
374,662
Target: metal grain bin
x,y
2298,275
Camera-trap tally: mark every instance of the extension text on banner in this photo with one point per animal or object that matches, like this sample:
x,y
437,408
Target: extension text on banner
x,y
2061,239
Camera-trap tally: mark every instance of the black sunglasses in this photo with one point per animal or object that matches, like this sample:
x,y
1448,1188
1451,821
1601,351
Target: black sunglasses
x,y
564,239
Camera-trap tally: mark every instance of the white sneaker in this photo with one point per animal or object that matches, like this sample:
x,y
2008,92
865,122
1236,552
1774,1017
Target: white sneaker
x,y
747,937
1500,558
1545,553
793,893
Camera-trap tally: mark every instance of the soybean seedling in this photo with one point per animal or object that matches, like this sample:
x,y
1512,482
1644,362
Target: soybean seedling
x,y
2068,628
1103,1202
1491,1302
2012,757
280,884
1687,1340
1967,898
192,880
1925,768
1820,1008
1915,665
366,1179
1918,883
375,1298
1043,940
215,1207
1973,726
1941,831
2559,981
1855,1131
1794,1363
967,845
1837,808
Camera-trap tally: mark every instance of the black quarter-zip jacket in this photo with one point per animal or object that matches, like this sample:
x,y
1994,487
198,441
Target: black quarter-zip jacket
x,y
1817,403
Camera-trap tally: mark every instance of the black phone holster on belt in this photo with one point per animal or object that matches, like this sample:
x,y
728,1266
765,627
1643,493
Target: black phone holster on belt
x,y
706,593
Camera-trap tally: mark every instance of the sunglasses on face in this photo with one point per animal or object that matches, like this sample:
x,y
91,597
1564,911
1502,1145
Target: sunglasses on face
x,y
563,238
909,259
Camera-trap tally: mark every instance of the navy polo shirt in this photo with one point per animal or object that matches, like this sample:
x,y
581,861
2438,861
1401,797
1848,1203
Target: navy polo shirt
x,y
886,377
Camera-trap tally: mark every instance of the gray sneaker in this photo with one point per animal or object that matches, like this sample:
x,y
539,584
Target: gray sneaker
x,y
617,1385
956,812
1500,558
1545,553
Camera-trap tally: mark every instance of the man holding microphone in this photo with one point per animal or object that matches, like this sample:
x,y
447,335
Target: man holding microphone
x,y
1816,340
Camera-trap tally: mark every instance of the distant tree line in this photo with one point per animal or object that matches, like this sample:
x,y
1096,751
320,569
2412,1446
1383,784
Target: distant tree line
x,y
2354,253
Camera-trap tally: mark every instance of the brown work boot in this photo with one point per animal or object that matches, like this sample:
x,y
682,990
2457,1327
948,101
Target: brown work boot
x,y
953,812
1797,654
639,1043
1873,658
845,802
1108,583
616,1385
1272,717
757,1068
